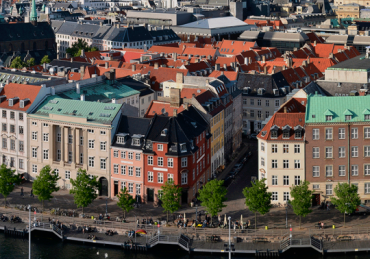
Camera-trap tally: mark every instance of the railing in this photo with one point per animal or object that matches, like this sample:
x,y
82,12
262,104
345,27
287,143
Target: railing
x,y
317,244
53,227
304,242
182,240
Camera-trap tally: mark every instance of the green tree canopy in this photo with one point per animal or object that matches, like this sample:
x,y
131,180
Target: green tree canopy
x,y
45,59
213,196
75,50
84,189
347,199
45,184
302,199
125,201
17,63
171,195
7,181
30,62
257,198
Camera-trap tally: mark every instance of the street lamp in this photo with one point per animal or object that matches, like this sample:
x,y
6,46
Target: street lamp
x,y
286,215
29,231
196,214
229,218
106,207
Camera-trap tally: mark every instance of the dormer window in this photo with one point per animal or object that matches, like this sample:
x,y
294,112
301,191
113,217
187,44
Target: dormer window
x,y
121,140
149,144
286,134
136,142
298,134
274,134
192,144
348,117
164,132
367,117
329,117
183,148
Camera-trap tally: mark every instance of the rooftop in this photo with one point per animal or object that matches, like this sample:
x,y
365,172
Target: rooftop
x,y
221,22
359,63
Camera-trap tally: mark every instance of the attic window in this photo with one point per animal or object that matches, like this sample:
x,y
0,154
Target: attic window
x,y
164,132
367,116
328,117
298,134
348,117
286,134
59,110
136,142
121,140
104,115
183,148
274,134
91,113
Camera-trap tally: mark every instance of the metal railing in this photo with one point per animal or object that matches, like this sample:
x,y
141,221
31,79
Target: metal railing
x,y
303,242
48,226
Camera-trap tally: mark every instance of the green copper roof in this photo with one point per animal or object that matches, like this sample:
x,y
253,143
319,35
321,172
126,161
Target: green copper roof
x,y
94,112
102,92
33,14
318,107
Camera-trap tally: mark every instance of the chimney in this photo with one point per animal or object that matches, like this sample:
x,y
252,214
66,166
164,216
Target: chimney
x,y
225,66
175,97
82,72
117,25
237,69
156,65
265,70
207,81
133,67
174,55
289,62
304,63
82,97
107,65
284,67
52,90
285,110
44,67
331,55
217,67
314,43
114,100
113,74
308,60
101,23
263,58
82,53
78,88
174,112
179,78
273,70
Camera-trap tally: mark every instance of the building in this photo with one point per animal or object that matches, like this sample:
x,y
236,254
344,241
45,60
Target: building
x,y
70,135
337,144
349,10
127,158
281,150
177,148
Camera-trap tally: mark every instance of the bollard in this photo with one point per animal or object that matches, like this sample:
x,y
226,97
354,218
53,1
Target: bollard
x,y
266,227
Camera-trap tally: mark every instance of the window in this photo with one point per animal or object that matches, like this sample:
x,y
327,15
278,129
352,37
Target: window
x,y
34,169
123,170
267,114
329,189
274,134
103,164
184,162
130,155
4,127
130,187
21,146
315,152
70,156
367,188
329,171
297,134
328,133
274,196
286,179
367,117
259,114
274,180
316,171
137,171
285,163
12,144
329,117
21,164
252,101
342,152
286,134
34,152
315,186
90,131
45,125
262,161
328,152
4,143
297,148
59,154
348,117
354,133
252,113
91,144
367,133
160,177
285,148
123,154
354,151
130,171
115,169
137,156
354,170
259,102
81,141
297,180
366,169
297,164
91,161
103,146
262,146
102,132
46,137
150,160
274,148
21,116
342,170
12,115
315,134
274,163
67,174
150,177
21,130
81,158
4,114
366,151
277,103
12,128
115,153
342,133
267,102
286,196
170,177
59,137
160,161
34,135
170,162
46,154
184,178
70,139
160,147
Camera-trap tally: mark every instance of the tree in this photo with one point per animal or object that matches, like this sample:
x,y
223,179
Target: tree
x,y
45,59
45,184
125,201
75,50
347,199
84,189
213,196
257,198
30,62
171,195
17,63
302,198
7,181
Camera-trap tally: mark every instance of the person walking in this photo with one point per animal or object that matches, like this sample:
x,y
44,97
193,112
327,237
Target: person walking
x,y
327,206
32,193
322,225
22,194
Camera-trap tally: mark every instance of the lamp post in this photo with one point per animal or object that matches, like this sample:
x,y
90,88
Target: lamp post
x,y
29,231
106,207
229,218
286,215
196,214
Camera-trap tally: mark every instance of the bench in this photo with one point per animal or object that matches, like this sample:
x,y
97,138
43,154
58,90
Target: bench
x,y
344,238
260,240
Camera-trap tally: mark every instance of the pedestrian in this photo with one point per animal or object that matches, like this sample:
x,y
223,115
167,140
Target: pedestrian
x,y
32,193
219,218
322,225
319,224
249,223
327,206
22,194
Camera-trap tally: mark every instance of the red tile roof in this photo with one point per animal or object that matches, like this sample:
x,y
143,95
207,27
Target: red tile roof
x,y
111,63
231,75
22,91
291,77
74,76
189,92
167,50
230,47
201,52
313,37
197,67
294,105
160,107
162,74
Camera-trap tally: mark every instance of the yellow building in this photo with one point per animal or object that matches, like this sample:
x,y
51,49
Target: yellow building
x,y
349,11
217,140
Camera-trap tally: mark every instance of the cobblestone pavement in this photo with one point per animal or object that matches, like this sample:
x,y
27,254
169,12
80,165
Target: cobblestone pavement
x,y
276,218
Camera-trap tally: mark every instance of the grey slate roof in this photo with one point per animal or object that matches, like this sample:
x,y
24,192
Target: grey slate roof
x,y
336,89
25,31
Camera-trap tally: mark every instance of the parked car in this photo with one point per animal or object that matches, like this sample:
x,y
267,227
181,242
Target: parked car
x,y
237,167
361,210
